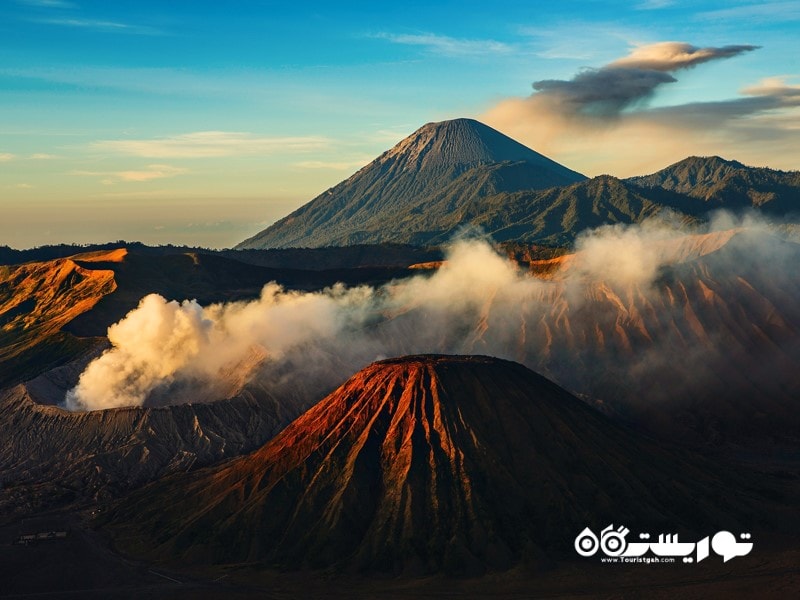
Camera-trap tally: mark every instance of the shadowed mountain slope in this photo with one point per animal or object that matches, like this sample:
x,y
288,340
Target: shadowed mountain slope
x,y
422,464
454,159
51,457
721,183
555,216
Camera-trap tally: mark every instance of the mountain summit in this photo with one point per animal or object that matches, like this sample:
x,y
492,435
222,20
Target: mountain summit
x,y
460,144
441,169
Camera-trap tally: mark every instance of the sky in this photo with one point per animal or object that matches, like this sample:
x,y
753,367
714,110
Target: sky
x,y
201,123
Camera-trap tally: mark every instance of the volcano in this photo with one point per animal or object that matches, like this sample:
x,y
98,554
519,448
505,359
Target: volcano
x,y
439,169
461,173
424,464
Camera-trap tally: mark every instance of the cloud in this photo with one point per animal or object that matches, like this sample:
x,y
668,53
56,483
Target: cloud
x,y
149,174
43,156
23,186
776,88
655,4
152,172
597,38
671,56
136,195
48,3
761,12
390,136
210,144
600,121
770,94
101,26
6,156
142,80
602,92
607,91
342,165
448,46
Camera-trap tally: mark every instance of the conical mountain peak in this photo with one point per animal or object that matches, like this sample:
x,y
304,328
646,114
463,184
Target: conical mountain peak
x,y
462,142
410,193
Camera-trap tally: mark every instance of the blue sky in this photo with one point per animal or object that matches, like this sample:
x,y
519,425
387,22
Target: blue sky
x,y
201,123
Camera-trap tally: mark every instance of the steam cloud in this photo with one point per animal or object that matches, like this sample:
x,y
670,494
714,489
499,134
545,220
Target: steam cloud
x,y
617,315
183,352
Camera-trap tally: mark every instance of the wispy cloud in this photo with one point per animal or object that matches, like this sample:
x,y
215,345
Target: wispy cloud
x,y
140,80
447,46
102,26
655,4
775,87
6,156
209,144
672,56
22,186
597,38
343,165
390,135
48,3
149,174
771,94
771,12
43,156
138,194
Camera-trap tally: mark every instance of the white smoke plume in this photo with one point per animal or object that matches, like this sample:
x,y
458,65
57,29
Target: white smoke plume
x,y
170,352
162,344
624,313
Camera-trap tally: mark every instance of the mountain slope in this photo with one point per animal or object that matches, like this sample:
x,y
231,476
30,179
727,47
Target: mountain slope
x,y
37,300
401,179
50,457
456,173
553,216
721,183
422,464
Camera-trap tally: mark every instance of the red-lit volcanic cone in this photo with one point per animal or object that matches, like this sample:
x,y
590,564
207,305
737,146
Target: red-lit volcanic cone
x,y
422,464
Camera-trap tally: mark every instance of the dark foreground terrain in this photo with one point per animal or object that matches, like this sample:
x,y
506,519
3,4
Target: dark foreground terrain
x,y
84,565
71,301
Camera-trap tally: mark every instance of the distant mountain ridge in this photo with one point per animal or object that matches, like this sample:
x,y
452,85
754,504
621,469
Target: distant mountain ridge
x,y
459,173
464,157
728,184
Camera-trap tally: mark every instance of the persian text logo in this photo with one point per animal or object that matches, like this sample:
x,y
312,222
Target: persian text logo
x,y
613,544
